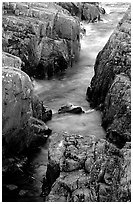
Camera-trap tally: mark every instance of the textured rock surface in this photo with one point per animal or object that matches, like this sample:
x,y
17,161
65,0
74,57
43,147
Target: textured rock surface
x,y
40,111
11,60
117,111
110,86
16,99
85,169
26,27
19,128
90,12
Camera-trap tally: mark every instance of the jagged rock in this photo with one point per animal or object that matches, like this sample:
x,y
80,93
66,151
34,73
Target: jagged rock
x,y
11,60
110,86
115,58
101,174
70,108
117,111
54,58
27,38
39,110
73,7
38,132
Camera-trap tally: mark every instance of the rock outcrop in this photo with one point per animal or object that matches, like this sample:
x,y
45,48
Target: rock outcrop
x,y
44,35
86,169
90,12
19,128
110,86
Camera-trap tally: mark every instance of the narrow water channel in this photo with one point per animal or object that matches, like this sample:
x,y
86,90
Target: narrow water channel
x,y
70,87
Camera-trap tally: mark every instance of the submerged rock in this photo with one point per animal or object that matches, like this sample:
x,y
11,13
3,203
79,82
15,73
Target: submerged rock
x,y
110,86
70,108
86,169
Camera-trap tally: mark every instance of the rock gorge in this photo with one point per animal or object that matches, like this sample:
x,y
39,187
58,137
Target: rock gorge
x,y
40,40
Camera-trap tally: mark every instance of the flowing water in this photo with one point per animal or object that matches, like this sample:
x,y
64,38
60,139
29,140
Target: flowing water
x,y
70,87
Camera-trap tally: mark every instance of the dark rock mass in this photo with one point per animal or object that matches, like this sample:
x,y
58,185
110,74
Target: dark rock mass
x,y
86,169
111,86
70,108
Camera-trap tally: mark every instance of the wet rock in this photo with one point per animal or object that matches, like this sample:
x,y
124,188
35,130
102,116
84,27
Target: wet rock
x,y
110,86
11,60
70,108
38,132
40,111
20,129
16,102
104,172
115,58
54,58
40,36
90,12
117,111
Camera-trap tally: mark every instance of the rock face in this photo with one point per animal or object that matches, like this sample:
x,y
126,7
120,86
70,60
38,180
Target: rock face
x,y
19,128
110,86
85,169
11,60
39,110
36,32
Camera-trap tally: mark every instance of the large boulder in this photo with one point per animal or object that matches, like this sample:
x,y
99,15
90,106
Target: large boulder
x,y
110,86
90,12
86,169
19,128
16,103
26,27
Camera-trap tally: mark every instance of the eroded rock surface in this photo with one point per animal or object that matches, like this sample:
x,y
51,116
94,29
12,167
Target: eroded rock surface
x,y
86,169
19,127
110,86
41,34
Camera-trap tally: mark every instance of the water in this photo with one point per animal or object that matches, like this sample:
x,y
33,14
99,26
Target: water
x,y
70,87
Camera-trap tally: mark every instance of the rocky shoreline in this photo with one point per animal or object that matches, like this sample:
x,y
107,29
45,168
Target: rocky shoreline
x,y
40,40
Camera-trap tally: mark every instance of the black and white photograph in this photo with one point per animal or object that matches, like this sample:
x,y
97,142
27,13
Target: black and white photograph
x,y
66,101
